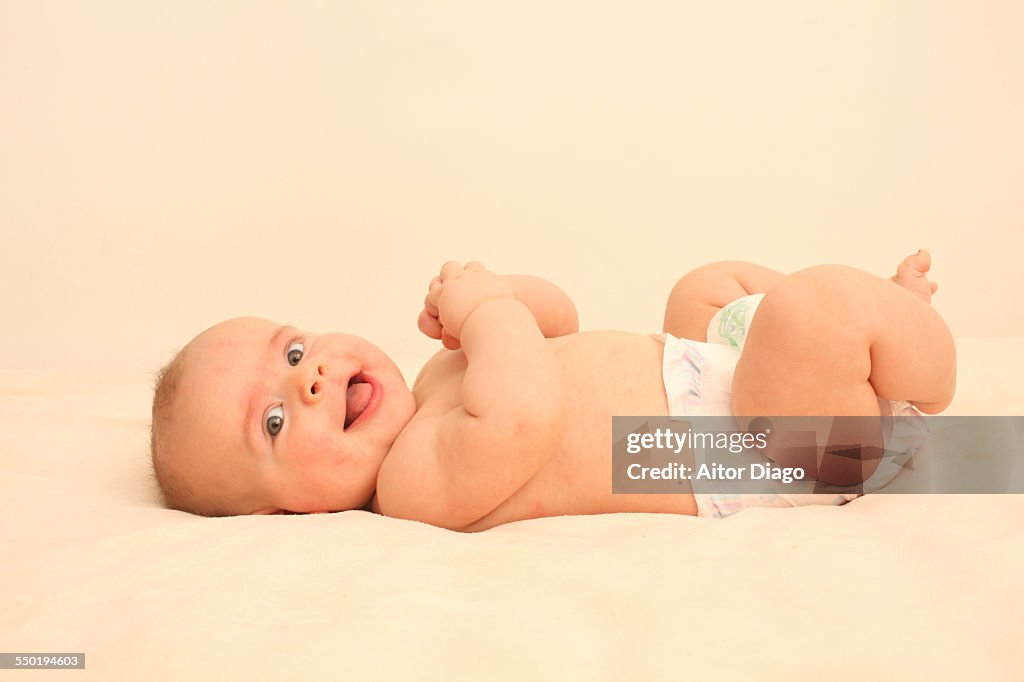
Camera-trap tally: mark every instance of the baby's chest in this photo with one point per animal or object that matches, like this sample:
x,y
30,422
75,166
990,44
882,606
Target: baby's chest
x,y
439,385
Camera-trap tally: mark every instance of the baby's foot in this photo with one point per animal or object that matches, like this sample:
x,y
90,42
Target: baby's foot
x,y
912,274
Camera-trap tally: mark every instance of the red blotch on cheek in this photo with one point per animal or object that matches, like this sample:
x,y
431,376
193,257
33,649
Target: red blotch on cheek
x,y
319,449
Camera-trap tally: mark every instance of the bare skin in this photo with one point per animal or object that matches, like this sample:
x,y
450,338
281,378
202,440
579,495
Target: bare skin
x,y
864,355
828,340
513,419
618,373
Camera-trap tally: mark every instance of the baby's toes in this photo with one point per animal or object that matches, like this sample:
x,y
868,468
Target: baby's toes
x,y
917,263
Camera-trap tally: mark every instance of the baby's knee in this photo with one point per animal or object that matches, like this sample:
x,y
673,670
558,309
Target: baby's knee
x,y
823,302
713,284
715,270
836,280
823,289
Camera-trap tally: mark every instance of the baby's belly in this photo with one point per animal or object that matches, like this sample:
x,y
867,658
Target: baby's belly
x,y
605,374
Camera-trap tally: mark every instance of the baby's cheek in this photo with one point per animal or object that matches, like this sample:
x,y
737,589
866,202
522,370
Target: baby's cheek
x,y
320,450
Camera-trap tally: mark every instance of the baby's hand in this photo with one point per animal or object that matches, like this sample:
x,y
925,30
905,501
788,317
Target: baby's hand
x,y
454,295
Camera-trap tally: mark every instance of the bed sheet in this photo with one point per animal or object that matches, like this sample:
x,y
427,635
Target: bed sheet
x,y
919,587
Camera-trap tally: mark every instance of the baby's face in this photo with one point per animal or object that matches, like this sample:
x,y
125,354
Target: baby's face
x,y
270,418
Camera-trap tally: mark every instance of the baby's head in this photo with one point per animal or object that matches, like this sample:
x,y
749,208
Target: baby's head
x,y
252,417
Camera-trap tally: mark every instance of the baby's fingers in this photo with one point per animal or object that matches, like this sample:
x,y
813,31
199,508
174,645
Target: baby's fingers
x,y
430,304
450,269
434,292
429,325
449,341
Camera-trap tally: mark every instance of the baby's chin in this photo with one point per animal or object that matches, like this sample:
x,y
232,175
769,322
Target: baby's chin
x,y
361,499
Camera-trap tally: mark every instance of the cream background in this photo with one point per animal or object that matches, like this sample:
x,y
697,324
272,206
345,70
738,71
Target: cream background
x,y
164,166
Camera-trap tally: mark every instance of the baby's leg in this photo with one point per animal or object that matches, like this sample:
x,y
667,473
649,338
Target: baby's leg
x,y
825,342
829,339
703,292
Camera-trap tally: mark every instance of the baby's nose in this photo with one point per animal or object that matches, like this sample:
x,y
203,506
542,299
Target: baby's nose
x,y
314,386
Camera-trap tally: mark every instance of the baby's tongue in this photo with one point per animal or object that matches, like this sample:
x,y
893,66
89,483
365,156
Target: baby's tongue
x,y
356,400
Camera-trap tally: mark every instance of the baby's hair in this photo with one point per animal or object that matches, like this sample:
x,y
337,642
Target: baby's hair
x,y
175,490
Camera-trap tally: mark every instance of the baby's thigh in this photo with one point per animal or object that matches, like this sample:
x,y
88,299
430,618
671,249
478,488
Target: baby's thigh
x,y
695,299
801,357
688,319
701,293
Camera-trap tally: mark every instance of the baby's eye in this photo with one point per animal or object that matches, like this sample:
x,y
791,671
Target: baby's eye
x,y
275,420
294,352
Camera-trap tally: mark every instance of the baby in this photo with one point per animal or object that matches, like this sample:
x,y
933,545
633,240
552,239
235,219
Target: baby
x,y
513,419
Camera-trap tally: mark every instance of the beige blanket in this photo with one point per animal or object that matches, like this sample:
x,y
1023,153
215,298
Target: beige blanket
x,y
887,587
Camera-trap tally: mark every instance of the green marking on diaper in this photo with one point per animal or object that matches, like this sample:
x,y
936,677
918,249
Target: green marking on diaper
x,y
732,325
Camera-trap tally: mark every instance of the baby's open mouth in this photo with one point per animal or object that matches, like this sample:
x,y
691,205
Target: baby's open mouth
x,y
357,397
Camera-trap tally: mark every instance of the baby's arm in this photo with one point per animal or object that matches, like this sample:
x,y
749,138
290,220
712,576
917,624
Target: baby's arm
x,y
463,463
550,306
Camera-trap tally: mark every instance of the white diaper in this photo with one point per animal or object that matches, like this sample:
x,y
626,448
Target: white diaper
x,y
730,324
698,376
